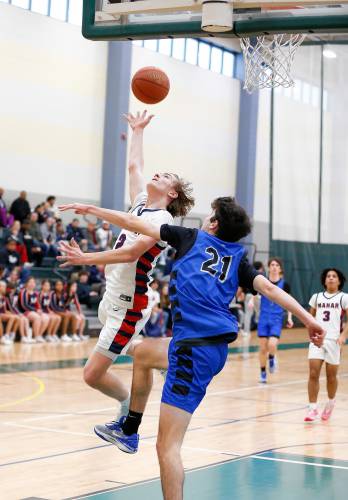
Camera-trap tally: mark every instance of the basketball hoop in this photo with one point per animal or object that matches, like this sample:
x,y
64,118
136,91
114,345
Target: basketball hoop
x,y
268,60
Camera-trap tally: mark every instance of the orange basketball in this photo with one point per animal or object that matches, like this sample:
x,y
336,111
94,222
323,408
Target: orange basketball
x,y
150,85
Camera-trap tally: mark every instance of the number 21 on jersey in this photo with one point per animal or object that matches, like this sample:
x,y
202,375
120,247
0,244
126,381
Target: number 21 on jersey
x,y
217,265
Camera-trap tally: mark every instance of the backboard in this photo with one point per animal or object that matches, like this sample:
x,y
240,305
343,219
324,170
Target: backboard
x,y
149,19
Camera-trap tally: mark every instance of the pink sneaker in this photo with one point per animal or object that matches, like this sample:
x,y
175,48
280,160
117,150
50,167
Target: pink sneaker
x,y
311,416
327,411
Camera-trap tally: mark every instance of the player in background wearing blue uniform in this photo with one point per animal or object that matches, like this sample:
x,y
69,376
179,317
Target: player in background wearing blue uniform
x,y
208,268
270,323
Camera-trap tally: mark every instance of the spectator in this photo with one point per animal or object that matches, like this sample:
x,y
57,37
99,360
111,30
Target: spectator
x,y
49,235
9,257
33,248
73,230
8,317
60,230
58,299
3,272
54,319
91,237
104,236
41,214
154,296
13,279
154,327
12,305
73,305
34,228
20,207
28,304
50,207
97,279
6,219
84,291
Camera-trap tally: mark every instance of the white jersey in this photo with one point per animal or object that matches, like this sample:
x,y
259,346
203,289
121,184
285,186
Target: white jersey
x,y
127,284
330,309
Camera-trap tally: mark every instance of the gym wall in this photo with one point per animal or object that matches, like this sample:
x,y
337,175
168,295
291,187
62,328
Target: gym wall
x,y
52,83
195,130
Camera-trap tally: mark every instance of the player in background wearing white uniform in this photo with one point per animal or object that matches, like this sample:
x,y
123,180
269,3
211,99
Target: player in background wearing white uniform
x,y
328,308
124,309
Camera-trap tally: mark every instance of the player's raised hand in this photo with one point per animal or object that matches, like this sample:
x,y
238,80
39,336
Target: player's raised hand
x,y
78,208
139,121
316,333
72,254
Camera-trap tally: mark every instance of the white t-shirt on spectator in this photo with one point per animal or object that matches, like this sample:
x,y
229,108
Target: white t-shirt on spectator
x,y
103,237
154,298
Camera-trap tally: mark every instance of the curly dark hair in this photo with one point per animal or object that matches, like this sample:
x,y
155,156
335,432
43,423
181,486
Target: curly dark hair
x,y
234,222
181,205
341,276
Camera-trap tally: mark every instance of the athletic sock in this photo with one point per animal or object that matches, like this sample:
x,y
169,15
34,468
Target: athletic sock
x,y
271,356
132,423
331,401
124,407
312,406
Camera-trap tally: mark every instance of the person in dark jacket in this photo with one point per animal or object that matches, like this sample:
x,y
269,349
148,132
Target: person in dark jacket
x,y
20,208
9,257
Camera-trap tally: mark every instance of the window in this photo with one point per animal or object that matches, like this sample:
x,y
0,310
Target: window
x,y
40,6
297,90
306,95
59,9
165,47
21,3
75,12
216,60
315,96
191,54
151,44
204,55
179,48
227,64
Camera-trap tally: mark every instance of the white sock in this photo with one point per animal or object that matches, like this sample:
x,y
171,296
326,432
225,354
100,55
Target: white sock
x,y
312,406
124,408
331,401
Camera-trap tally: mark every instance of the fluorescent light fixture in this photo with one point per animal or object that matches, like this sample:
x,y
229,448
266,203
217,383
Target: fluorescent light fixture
x,y
329,54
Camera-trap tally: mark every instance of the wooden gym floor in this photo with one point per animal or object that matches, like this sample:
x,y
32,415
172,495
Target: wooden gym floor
x,y
245,440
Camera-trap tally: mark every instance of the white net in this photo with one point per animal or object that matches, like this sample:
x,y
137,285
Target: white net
x,y
268,60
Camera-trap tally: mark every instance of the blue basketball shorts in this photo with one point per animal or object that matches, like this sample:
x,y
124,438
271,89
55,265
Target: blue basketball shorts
x,y
190,371
270,327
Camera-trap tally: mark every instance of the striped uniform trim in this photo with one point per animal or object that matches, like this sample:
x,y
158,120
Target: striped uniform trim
x,y
140,302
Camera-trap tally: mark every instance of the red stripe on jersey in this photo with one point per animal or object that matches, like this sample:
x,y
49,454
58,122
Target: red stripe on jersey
x,y
155,250
146,262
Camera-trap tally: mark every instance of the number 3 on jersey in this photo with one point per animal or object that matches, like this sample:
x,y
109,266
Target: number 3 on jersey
x,y
212,265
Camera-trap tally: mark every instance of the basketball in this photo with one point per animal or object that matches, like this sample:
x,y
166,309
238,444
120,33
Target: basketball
x,y
150,85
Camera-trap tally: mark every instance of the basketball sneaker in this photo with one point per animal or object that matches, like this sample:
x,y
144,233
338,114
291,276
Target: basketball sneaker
x,y
272,364
312,415
40,339
113,433
263,377
66,338
328,410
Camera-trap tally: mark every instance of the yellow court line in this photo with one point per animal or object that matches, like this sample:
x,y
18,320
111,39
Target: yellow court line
x,y
39,390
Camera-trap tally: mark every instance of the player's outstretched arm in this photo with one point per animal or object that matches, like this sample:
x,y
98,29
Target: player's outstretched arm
x,y
121,219
277,295
136,152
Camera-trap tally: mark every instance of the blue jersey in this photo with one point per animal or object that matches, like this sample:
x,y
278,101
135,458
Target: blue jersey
x,y
203,282
271,309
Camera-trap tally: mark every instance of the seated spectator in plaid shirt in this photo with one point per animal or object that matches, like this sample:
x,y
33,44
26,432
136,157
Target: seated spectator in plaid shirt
x,y
6,219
